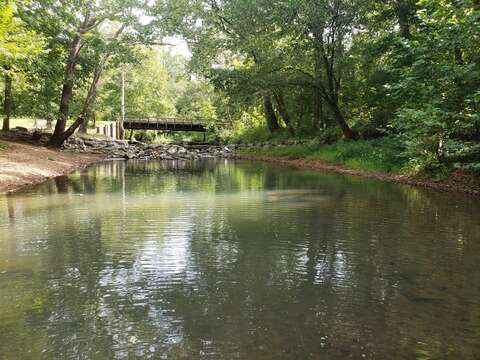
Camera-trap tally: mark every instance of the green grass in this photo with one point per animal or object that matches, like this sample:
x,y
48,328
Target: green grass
x,y
28,123
3,146
383,155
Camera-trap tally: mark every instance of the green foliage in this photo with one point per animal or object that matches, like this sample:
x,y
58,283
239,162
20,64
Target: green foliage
x,y
439,116
407,70
196,101
374,155
145,136
148,87
251,135
157,85
16,41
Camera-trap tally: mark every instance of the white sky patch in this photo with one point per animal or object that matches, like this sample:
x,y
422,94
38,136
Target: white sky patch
x,y
178,46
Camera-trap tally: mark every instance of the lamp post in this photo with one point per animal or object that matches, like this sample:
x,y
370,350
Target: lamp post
x,y
121,130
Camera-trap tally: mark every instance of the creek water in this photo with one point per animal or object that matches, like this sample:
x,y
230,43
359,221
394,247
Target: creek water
x,y
236,260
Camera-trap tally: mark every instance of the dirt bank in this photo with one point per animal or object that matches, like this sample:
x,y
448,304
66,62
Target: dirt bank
x,y
22,164
458,182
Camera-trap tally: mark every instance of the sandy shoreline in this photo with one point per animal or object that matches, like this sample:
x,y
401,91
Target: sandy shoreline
x,y
22,164
459,183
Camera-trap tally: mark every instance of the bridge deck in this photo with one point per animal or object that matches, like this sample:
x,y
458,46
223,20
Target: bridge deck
x,y
165,124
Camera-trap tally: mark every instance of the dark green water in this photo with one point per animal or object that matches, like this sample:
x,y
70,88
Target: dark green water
x,y
240,260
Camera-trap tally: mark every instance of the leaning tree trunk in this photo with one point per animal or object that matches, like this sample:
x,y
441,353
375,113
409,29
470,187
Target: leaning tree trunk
x,y
87,24
67,91
8,101
87,105
340,119
282,109
331,89
272,121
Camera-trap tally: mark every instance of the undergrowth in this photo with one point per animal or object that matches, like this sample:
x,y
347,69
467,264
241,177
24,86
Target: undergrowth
x,y
373,155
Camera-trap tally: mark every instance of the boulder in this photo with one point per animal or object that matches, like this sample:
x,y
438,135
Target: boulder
x,y
172,150
181,150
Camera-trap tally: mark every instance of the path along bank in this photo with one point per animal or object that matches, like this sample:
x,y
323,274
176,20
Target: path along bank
x,y
25,164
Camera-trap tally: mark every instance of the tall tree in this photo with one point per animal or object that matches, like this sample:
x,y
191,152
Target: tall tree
x,y
233,48
323,30
17,43
86,32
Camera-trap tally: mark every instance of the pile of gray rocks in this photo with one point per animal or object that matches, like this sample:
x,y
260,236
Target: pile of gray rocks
x,y
122,149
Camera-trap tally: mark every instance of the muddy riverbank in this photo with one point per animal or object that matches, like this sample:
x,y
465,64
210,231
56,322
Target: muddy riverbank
x,y
25,164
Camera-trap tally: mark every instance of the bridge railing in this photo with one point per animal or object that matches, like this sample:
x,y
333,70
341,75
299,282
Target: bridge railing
x,y
166,120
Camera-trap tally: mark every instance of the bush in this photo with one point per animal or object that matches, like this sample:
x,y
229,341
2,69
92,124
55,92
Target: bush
x,y
385,154
251,135
145,136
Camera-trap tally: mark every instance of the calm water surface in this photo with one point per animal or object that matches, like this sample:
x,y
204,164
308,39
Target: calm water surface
x,y
236,260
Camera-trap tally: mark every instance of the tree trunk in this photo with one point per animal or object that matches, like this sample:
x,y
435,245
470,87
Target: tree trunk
x,y
404,12
282,109
83,126
8,101
60,134
67,91
49,122
271,118
318,119
47,95
87,105
340,119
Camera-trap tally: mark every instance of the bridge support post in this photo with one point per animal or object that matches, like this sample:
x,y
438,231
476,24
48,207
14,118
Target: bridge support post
x,y
120,131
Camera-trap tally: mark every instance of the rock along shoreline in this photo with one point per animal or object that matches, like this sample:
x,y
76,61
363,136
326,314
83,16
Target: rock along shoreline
x,y
134,150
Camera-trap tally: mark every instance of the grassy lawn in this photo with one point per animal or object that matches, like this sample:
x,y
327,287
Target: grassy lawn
x,y
374,155
29,123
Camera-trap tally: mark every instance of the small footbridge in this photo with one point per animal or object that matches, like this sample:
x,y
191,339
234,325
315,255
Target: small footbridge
x,y
166,124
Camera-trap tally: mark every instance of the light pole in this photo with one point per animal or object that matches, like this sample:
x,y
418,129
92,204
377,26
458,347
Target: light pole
x,y
121,130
